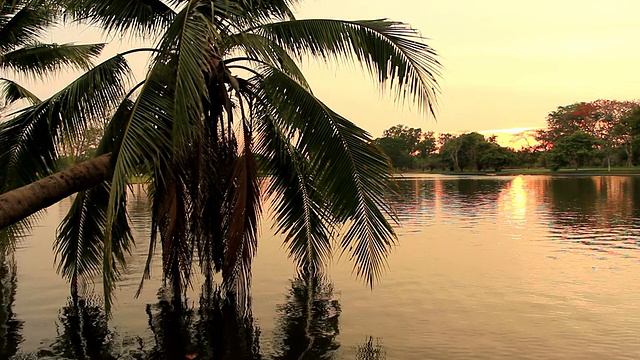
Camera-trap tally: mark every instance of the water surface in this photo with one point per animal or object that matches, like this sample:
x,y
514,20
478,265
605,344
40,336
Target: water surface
x,y
532,267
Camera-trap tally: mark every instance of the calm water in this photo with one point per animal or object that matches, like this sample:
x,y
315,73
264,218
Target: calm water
x,y
487,268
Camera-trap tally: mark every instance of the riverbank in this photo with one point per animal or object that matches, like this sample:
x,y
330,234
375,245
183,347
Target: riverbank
x,y
615,171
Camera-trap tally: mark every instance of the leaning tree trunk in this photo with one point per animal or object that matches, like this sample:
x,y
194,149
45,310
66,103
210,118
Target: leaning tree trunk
x,y
19,203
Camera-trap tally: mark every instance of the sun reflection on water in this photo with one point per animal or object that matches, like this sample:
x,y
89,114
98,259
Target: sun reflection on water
x,y
513,202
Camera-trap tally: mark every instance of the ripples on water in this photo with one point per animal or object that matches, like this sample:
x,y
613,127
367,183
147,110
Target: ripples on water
x,y
495,267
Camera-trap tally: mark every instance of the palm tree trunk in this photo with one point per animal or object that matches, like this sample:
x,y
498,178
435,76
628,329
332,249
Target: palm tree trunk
x,y
19,203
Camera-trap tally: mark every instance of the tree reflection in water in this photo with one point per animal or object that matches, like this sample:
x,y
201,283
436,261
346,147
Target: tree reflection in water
x,y
307,327
217,330
10,326
307,324
371,350
83,331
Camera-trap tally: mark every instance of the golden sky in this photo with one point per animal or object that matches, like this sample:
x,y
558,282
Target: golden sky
x,y
506,63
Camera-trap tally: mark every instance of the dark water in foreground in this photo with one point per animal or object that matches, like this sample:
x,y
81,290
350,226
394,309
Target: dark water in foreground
x,y
487,268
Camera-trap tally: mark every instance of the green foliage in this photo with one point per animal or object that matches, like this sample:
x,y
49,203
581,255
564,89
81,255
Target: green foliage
x,y
574,149
472,151
196,130
528,157
602,119
407,148
397,151
497,157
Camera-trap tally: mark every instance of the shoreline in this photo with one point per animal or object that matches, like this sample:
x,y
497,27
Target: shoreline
x,y
635,171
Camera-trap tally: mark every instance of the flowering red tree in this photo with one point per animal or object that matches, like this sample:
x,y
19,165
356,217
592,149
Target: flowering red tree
x,y
602,119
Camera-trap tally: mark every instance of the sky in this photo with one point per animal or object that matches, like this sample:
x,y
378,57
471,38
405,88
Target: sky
x,y
506,64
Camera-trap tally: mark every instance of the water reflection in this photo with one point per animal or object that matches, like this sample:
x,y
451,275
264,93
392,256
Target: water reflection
x,y
307,325
10,325
219,329
453,199
487,267
371,350
596,214
83,332
307,328
600,213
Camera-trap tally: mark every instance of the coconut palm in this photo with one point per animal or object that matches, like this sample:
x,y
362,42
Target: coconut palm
x,y
223,122
23,55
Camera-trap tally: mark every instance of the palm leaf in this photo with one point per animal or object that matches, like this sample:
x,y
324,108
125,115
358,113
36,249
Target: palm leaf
x,y
298,204
42,59
262,50
23,22
353,175
10,92
80,237
145,141
242,238
239,14
12,234
141,17
186,46
392,52
29,141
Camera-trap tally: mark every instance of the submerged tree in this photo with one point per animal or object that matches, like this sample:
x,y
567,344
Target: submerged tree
x,y
222,103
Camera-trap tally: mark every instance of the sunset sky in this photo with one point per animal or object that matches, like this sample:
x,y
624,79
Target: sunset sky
x,y
506,64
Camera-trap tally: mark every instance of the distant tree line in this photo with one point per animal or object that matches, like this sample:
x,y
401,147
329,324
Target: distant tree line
x,y
412,149
601,133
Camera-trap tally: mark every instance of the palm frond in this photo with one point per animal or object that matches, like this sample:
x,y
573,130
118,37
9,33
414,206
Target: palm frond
x,y
80,236
39,60
80,239
170,213
240,14
244,202
299,206
186,46
262,50
29,141
145,141
212,176
140,17
353,175
23,22
11,91
11,235
393,52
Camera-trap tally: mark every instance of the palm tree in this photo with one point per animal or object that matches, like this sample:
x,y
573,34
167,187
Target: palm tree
x,y
23,24
223,122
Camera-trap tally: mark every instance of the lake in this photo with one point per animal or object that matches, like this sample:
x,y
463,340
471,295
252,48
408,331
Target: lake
x,y
487,267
